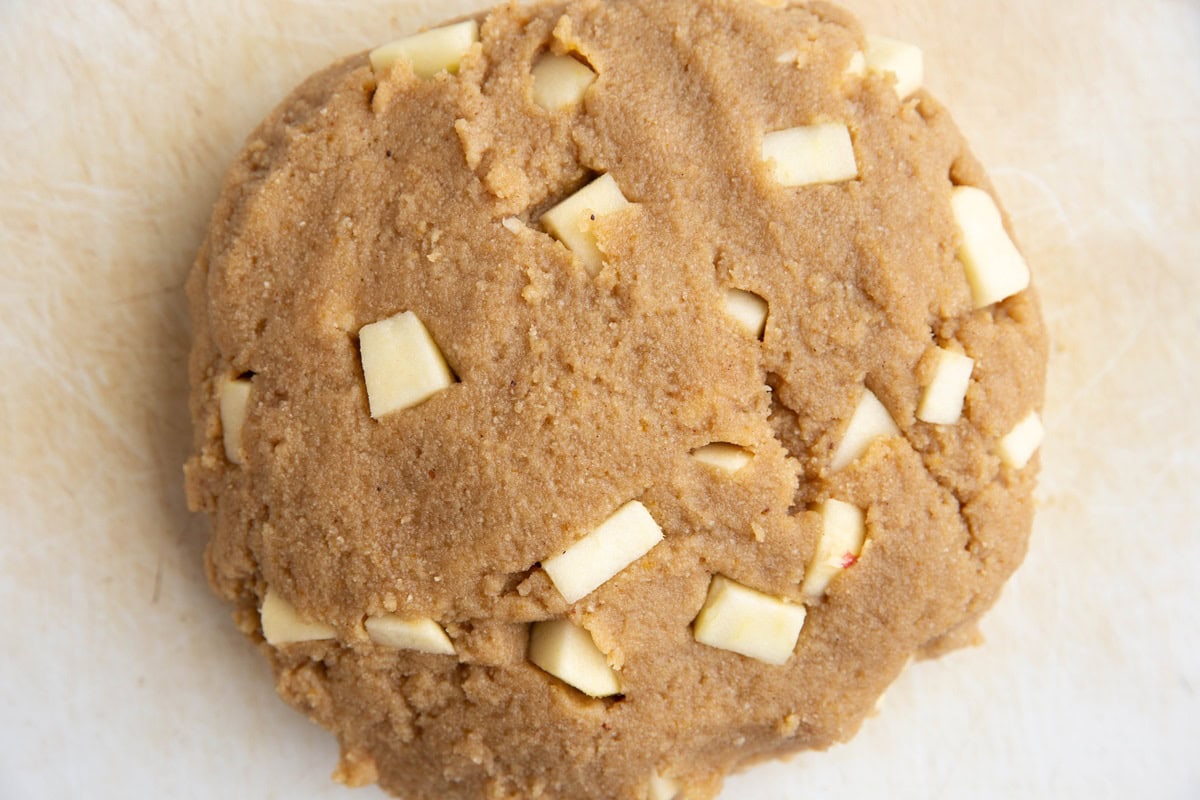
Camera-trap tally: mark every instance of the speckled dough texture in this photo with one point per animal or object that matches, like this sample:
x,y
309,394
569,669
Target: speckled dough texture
x,y
363,196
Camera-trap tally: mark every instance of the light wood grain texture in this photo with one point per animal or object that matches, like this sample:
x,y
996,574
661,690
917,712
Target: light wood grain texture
x,y
123,677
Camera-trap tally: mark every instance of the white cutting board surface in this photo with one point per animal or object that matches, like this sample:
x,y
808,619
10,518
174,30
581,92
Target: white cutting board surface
x,y
122,677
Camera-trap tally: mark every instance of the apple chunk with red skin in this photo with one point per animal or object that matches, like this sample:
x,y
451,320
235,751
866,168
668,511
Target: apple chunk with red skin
x,y
843,531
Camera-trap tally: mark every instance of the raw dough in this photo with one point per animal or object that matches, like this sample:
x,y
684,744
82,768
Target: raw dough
x,y
365,196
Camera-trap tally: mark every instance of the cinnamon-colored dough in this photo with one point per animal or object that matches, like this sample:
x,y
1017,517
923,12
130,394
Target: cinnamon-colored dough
x,y
359,198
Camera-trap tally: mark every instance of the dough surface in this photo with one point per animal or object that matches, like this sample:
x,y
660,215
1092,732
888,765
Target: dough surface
x,y
363,196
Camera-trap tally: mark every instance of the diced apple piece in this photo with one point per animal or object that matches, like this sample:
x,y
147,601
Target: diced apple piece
x,y
572,220
723,455
942,402
748,310
811,154
870,421
402,365
409,633
233,402
430,52
843,530
905,61
560,81
282,624
748,622
620,540
660,788
857,67
995,268
1019,444
569,653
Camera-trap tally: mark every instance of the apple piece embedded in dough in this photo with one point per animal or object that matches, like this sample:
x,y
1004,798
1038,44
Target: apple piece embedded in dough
x,y
748,310
409,633
811,154
942,401
572,221
233,403
429,52
904,60
857,66
995,268
282,624
569,653
560,81
616,543
748,622
723,455
843,530
1019,444
402,365
870,421
660,788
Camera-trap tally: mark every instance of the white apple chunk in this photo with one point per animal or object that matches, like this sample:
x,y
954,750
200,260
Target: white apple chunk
x,y
748,310
573,220
430,52
811,154
1018,445
942,401
870,421
843,530
569,653
233,403
723,456
409,633
402,365
905,61
616,543
748,622
660,788
995,268
857,66
282,623
560,81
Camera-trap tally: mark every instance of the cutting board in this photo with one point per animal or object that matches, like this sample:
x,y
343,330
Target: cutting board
x,y
123,677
